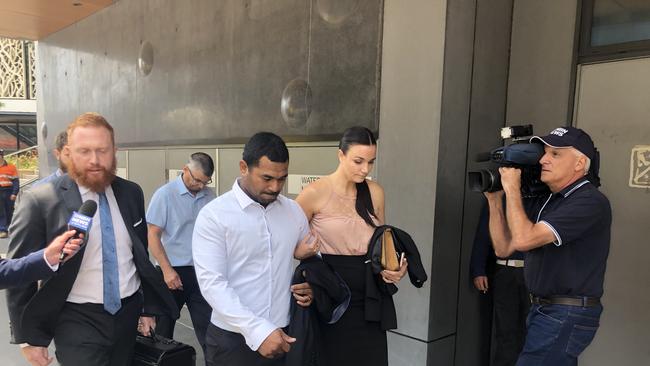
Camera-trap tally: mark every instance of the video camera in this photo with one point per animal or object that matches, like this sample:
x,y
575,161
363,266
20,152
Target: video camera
x,y
519,154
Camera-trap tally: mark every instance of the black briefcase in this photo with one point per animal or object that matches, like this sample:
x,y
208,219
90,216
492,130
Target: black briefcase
x,y
160,351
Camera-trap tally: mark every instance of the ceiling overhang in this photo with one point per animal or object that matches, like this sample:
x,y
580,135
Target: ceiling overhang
x,y
36,19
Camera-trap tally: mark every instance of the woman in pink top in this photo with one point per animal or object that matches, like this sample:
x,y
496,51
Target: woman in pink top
x,y
343,209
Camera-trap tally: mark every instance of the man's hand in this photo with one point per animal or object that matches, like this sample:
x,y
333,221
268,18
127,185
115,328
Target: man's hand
x,y
12,197
277,343
37,356
172,279
510,180
146,324
481,283
62,244
494,196
395,276
302,293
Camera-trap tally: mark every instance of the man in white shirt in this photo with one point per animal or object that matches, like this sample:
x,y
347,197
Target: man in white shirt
x,y
243,246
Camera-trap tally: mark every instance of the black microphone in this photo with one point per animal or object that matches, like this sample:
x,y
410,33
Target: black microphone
x,y
81,221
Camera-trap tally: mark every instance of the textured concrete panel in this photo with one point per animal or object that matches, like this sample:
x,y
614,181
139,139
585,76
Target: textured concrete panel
x,y
405,351
219,68
412,61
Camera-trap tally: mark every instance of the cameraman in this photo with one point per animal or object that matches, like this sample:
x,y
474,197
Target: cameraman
x,y
566,245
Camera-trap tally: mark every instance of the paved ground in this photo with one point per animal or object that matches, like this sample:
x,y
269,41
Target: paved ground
x,y
10,354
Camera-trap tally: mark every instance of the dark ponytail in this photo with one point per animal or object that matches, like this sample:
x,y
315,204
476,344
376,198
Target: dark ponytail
x,y
363,203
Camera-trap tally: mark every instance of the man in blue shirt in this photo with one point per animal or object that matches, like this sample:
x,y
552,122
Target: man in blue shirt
x,y
59,143
170,217
566,244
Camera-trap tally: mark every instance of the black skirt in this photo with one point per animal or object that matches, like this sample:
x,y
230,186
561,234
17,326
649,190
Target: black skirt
x,y
353,340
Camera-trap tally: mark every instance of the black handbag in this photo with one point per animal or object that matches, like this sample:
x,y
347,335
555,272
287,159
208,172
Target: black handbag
x,y
160,351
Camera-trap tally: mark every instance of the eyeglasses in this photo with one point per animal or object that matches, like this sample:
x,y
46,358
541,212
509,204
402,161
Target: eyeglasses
x,y
198,181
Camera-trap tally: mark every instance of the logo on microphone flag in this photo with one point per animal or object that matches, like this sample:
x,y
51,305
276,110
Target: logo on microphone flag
x,y
80,222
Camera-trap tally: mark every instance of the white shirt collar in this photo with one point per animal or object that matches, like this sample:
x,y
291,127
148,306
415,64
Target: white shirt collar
x,y
245,200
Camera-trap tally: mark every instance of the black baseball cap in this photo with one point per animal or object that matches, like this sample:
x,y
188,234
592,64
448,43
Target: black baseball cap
x,y
569,137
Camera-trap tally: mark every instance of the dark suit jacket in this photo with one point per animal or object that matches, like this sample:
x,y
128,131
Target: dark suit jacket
x,y
41,214
20,271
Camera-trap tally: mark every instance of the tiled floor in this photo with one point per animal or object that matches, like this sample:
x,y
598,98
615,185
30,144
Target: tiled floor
x,y
10,353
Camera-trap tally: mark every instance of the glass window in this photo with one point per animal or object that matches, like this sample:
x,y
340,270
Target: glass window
x,y
8,136
614,29
27,135
620,21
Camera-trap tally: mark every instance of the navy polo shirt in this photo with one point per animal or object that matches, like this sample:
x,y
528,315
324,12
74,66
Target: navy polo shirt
x,y
580,216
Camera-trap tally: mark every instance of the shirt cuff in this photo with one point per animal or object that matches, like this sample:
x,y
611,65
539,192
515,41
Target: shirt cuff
x,y
54,268
23,345
558,240
255,337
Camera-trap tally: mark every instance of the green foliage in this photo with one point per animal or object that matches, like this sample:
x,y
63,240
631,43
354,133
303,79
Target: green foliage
x,y
25,161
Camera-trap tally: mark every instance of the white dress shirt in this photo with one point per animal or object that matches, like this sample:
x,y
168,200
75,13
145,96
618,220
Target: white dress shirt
x,y
243,257
87,287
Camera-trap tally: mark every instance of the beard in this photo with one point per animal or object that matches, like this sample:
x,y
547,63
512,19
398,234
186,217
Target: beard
x,y
96,184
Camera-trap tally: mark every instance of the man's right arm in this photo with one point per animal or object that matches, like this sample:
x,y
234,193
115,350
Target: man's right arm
x,y
209,251
499,232
157,214
172,279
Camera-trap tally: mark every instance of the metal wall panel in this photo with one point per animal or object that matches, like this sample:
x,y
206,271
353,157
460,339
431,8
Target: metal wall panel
x,y
612,106
228,163
487,116
541,63
147,168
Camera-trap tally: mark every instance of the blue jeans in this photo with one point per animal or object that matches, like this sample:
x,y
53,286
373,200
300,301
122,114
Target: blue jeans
x,y
557,334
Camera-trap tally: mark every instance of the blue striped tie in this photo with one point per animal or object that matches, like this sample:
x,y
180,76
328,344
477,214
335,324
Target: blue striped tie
x,y
112,302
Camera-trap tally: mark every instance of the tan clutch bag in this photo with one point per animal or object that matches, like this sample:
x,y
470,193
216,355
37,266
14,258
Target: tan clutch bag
x,y
389,258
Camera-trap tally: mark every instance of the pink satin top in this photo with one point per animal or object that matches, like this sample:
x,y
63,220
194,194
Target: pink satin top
x,y
341,229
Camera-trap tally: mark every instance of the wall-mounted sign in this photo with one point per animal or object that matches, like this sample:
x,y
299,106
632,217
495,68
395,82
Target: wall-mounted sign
x,y
297,182
173,173
640,167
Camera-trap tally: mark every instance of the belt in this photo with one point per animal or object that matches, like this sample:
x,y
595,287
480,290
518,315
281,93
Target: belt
x,y
511,262
582,301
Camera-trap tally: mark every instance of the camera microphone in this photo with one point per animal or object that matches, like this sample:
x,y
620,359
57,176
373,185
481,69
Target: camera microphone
x,y
81,221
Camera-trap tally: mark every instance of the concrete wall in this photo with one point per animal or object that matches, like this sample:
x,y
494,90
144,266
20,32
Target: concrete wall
x,y
219,68
411,92
447,61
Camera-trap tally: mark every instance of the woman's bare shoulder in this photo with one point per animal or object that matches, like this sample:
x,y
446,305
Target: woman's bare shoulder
x,y
375,188
315,191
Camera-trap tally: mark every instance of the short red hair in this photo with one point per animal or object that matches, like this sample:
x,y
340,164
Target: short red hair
x,y
91,119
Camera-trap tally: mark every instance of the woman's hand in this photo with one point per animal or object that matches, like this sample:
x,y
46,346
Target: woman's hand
x,y
395,276
309,246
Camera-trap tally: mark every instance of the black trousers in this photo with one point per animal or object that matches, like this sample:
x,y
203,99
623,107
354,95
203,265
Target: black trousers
x,y
511,305
224,348
200,310
87,335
